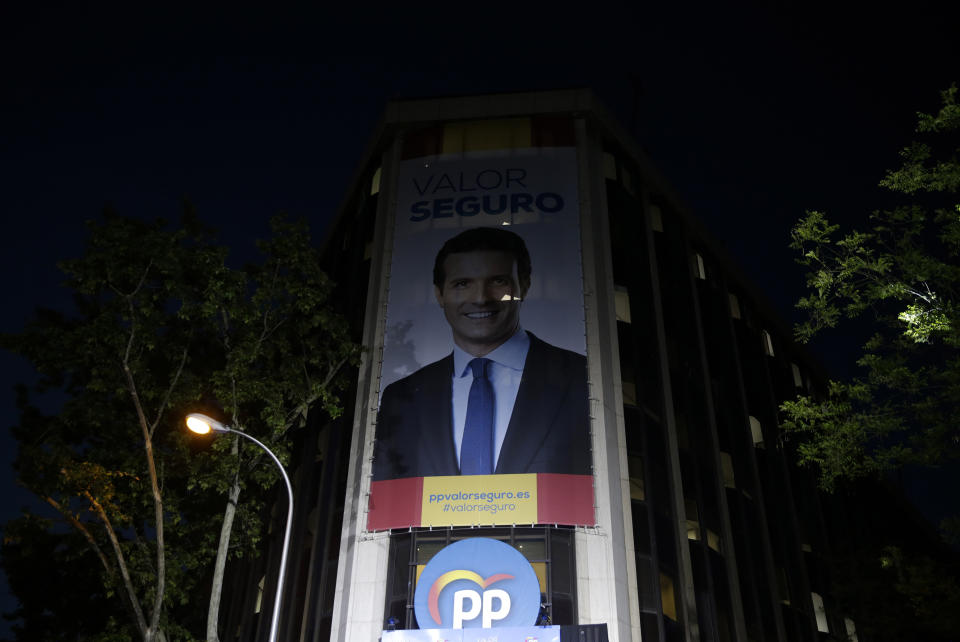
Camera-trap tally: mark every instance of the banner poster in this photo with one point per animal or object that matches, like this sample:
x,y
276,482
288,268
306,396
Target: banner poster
x,y
484,416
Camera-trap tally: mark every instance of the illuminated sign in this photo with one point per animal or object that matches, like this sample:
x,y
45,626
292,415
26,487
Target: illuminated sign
x,y
477,582
470,500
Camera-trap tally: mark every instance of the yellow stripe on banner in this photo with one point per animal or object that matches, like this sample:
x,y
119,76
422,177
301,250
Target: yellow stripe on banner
x,y
479,499
483,135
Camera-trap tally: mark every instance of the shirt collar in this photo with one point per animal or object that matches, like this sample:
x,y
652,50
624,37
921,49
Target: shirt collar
x,y
512,353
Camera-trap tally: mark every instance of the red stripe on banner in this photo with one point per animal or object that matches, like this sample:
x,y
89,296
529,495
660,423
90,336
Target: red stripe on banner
x,y
565,499
395,503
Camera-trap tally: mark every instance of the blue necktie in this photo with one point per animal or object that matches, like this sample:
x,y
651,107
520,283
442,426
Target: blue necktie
x,y
476,449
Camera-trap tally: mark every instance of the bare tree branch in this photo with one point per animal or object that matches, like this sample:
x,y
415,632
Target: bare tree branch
x,y
121,561
83,531
157,501
169,391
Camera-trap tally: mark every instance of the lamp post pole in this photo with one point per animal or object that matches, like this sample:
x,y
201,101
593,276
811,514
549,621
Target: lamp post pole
x,y
202,424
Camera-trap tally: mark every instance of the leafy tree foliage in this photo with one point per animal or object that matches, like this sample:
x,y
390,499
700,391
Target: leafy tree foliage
x,y
895,594
163,327
902,277
34,554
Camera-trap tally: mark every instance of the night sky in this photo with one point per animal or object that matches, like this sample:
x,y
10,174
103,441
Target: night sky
x,y
755,114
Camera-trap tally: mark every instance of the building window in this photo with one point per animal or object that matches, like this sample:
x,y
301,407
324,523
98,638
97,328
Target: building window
x,y
683,435
756,432
626,178
821,612
656,218
668,598
851,628
783,586
734,306
375,183
638,490
713,540
700,271
259,603
621,303
484,135
628,377
767,343
726,468
693,519
797,377
609,166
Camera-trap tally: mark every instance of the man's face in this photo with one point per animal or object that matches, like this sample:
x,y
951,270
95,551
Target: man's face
x,y
481,297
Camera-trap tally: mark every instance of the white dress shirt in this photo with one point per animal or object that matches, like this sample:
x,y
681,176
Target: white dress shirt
x,y
504,373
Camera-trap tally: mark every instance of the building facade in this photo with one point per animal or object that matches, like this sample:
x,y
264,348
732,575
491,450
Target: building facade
x,y
688,521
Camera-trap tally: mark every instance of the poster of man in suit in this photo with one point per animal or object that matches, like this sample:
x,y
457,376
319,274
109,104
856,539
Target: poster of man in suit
x,y
484,367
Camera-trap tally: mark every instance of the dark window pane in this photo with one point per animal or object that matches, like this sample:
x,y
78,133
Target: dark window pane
x,y
562,609
647,589
641,528
649,626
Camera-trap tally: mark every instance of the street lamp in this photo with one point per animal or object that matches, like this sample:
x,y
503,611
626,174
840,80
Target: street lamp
x,y
202,425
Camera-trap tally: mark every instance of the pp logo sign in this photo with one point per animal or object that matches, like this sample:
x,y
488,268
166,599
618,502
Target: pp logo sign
x,y
477,582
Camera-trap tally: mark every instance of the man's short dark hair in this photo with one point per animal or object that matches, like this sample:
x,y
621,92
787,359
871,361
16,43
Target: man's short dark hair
x,y
485,238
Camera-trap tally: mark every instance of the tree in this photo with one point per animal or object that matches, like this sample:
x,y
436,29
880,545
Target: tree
x,y
163,327
284,353
902,279
34,550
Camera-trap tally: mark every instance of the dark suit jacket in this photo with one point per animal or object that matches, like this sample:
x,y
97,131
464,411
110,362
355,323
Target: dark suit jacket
x,y
549,430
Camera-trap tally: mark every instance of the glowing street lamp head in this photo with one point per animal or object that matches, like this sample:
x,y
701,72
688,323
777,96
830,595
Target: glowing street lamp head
x,y
202,424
